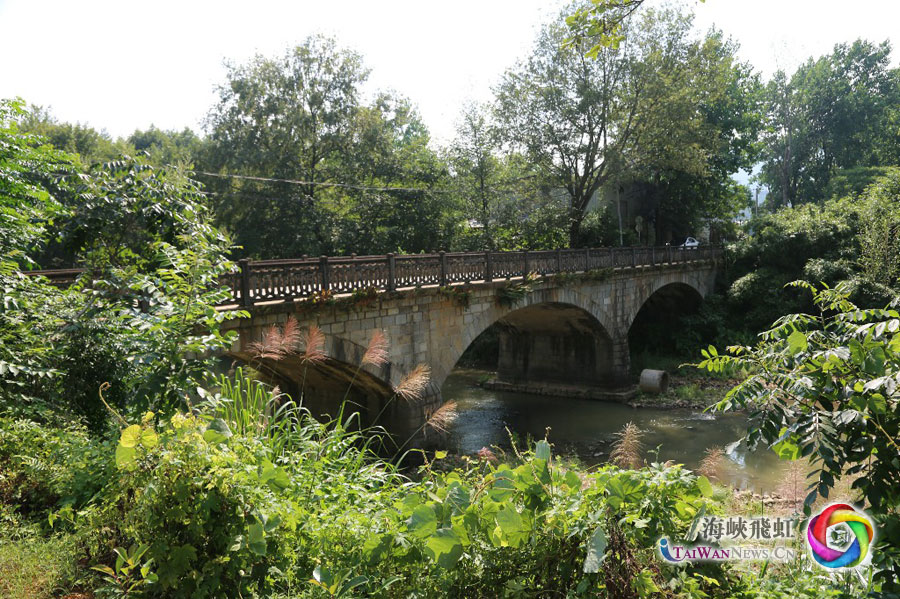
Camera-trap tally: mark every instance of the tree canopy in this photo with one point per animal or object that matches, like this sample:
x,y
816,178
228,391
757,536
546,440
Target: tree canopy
x,y
835,112
631,111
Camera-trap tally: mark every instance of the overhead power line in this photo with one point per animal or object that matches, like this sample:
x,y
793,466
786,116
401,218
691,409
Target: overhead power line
x,y
321,183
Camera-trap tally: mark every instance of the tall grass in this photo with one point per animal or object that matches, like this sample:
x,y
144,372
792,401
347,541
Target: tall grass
x,y
246,406
712,462
628,449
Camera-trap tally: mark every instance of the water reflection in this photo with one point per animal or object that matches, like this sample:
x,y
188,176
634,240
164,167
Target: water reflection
x,y
586,427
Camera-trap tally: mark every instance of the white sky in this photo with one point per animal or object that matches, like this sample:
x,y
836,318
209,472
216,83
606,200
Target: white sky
x,y
121,65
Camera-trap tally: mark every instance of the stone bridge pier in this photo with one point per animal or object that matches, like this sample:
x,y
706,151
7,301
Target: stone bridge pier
x,y
564,335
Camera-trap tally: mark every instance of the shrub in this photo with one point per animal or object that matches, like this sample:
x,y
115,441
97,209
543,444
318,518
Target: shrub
x,y
42,467
209,505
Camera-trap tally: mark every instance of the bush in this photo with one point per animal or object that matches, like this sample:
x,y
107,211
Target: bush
x,y
43,467
211,510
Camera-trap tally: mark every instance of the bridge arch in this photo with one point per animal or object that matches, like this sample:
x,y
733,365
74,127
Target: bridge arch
x,y
322,386
653,325
553,334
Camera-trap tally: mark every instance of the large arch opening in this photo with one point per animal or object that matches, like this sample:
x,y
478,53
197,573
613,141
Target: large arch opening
x,y
548,342
659,332
554,342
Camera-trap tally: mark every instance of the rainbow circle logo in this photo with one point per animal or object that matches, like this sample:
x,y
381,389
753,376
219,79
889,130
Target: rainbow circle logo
x,y
832,516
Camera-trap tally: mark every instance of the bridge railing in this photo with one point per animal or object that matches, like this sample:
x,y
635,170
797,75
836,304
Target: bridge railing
x,y
259,281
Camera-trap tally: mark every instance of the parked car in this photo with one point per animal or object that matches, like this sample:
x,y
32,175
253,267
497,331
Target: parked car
x,y
690,244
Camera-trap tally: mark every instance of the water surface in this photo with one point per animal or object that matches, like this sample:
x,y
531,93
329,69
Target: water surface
x,y
585,428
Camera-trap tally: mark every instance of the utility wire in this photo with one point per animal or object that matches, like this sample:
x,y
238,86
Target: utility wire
x,y
321,183
360,187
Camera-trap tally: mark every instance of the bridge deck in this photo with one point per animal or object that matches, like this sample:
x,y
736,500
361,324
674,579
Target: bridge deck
x,y
260,282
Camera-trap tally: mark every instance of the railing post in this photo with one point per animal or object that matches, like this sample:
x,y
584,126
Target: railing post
x,y
559,260
443,256
525,263
633,257
488,267
652,255
392,270
669,254
245,282
587,259
323,267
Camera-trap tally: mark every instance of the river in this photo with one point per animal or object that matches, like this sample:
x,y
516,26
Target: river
x,y
585,429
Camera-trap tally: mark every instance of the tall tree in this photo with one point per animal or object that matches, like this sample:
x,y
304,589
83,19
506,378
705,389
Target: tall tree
x,y
283,118
77,139
474,156
833,113
632,109
304,166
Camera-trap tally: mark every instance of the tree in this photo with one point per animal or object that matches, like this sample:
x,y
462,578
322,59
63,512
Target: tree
x,y
29,187
833,113
76,139
602,22
287,118
324,162
474,157
632,110
167,147
142,318
823,386
395,201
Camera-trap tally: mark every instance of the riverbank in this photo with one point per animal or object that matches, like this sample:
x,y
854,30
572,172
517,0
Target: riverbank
x,y
693,391
686,391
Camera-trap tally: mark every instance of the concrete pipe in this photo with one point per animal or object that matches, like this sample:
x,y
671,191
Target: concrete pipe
x,y
654,381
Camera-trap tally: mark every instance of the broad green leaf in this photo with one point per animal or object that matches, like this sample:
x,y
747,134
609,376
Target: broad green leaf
x,y
596,551
217,431
573,481
376,547
511,526
705,487
444,547
131,436
458,497
797,342
125,456
423,522
149,438
256,539
275,477
623,489
644,585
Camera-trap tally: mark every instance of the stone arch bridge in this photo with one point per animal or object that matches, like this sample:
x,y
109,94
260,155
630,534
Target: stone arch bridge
x,y
564,318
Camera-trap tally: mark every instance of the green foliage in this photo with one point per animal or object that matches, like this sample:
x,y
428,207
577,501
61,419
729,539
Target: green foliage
x,y
823,386
458,295
81,141
631,114
514,292
228,513
28,203
142,318
849,239
834,112
129,573
43,467
300,117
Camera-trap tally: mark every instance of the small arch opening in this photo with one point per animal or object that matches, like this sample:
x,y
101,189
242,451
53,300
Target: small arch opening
x,y
660,333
